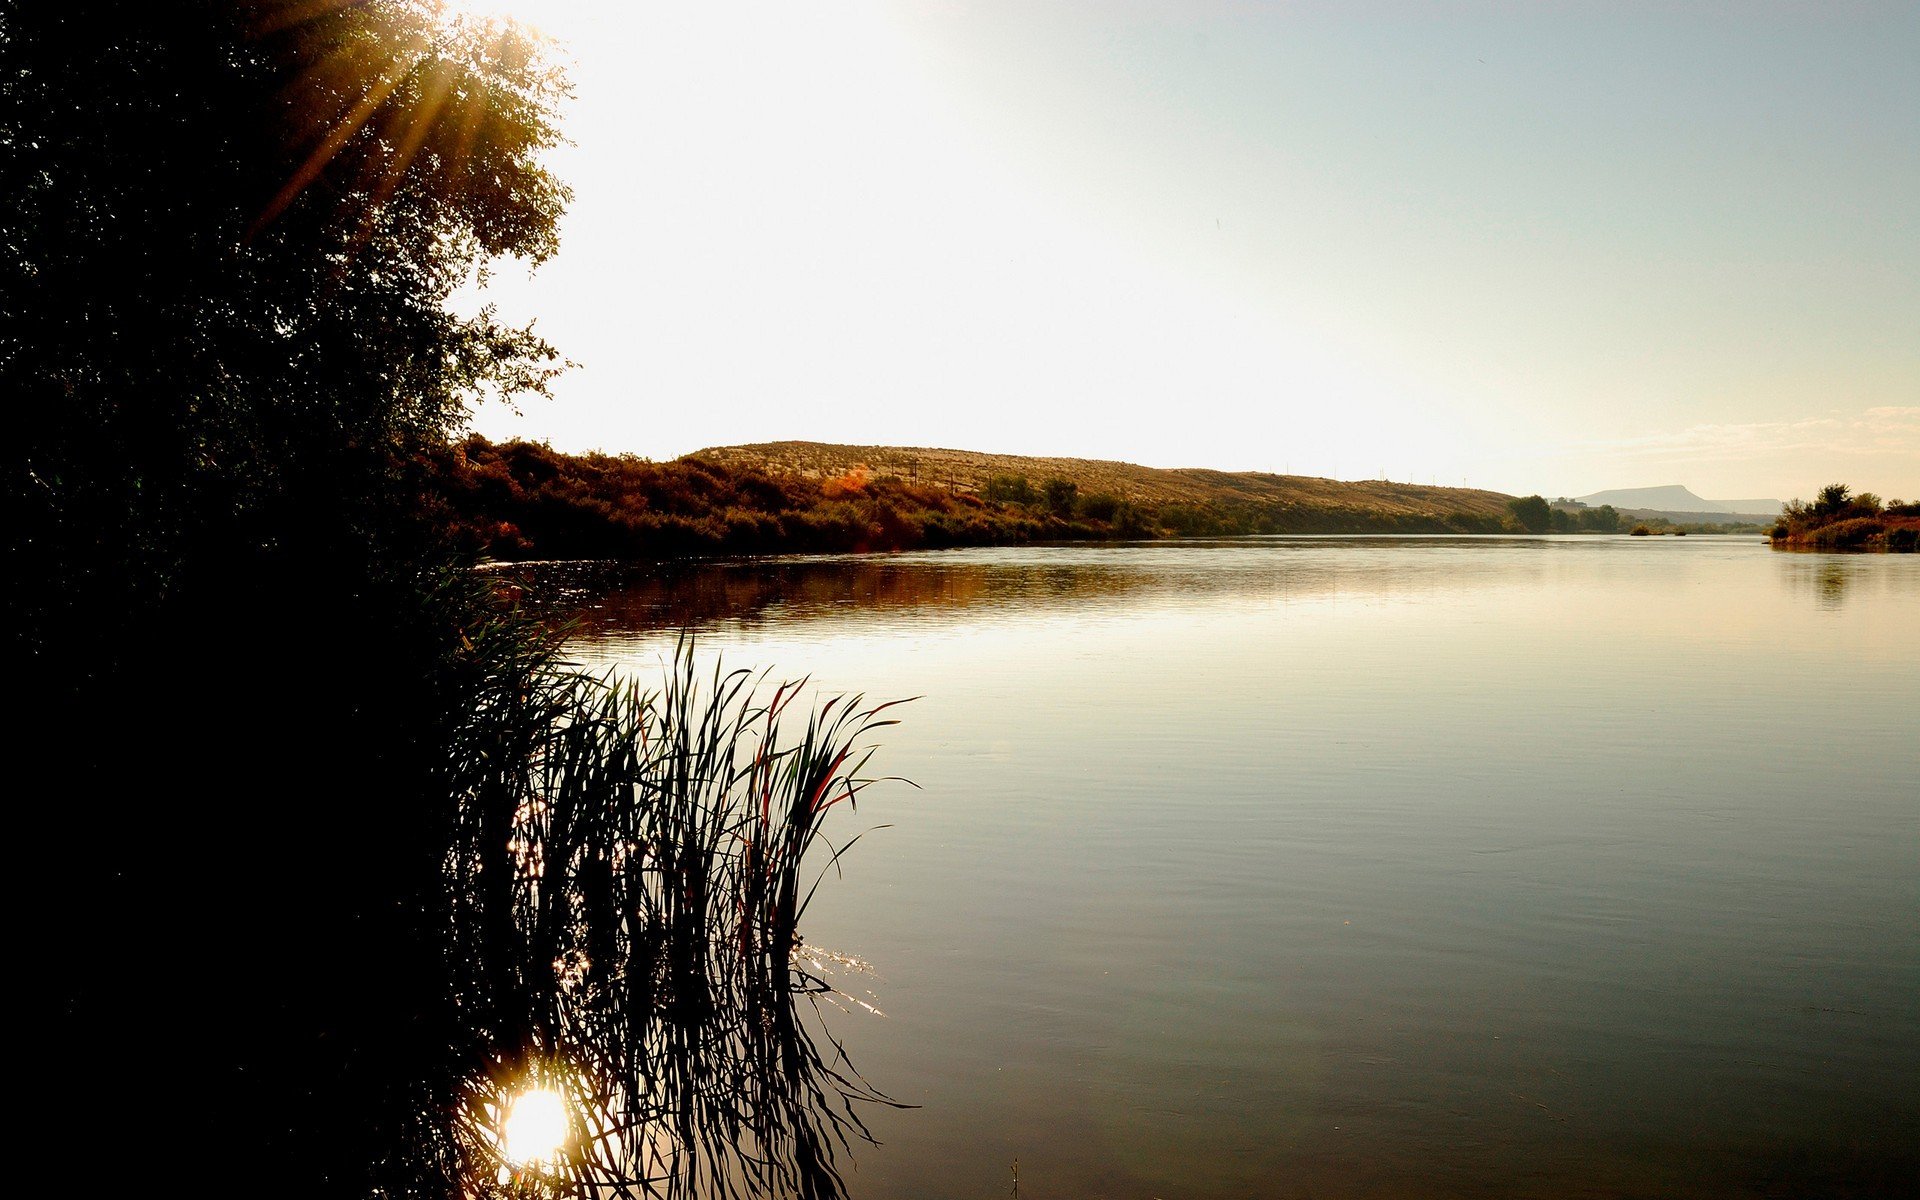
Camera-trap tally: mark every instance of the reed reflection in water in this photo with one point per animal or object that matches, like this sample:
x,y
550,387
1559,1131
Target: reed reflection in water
x,y
628,875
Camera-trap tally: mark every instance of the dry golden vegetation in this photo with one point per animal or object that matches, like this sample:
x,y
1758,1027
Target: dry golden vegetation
x,y
519,500
1838,519
969,471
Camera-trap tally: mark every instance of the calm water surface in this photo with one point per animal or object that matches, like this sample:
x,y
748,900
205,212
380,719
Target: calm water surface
x,y
1363,867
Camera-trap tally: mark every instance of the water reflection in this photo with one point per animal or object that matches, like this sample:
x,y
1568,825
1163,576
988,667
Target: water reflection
x,y
1829,580
628,874
1393,867
1831,584
609,599
1835,580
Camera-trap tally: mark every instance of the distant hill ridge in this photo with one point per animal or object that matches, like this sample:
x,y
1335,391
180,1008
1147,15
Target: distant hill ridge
x,y
969,470
519,500
1676,498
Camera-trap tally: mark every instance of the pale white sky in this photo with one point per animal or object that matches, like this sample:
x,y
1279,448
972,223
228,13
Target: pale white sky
x,y
1551,247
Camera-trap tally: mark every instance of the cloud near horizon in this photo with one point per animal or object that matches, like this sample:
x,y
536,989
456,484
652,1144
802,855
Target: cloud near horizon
x,y
1886,429
1876,448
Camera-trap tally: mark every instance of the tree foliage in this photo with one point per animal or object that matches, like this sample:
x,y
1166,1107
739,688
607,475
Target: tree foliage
x,y
1572,517
232,232
1009,489
1838,519
230,235
1531,513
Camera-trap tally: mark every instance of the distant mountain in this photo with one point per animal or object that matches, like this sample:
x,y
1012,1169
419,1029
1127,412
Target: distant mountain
x,y
1769,508
1675,498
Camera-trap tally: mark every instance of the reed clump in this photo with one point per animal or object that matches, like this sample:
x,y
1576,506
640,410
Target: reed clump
x,y
625,877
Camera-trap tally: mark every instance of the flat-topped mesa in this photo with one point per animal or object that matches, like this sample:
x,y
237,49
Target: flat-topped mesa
x,y
1676,499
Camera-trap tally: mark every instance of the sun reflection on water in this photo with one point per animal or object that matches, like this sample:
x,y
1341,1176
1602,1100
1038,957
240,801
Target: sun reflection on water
x,y
535,1130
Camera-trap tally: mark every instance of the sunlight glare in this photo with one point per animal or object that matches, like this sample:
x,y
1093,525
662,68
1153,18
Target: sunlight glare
x,y
541,15
536,1127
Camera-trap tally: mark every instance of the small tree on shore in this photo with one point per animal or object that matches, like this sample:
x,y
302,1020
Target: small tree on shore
x,y
1059,496
1531,513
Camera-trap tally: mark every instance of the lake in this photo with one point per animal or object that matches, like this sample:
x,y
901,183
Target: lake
x,y
1360,866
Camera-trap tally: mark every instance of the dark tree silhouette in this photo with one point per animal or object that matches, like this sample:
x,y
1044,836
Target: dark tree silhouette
x,y
232,230
338,856
230,234
1833,498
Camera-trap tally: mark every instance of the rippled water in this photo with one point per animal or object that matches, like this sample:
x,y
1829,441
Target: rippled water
x,y
1363,866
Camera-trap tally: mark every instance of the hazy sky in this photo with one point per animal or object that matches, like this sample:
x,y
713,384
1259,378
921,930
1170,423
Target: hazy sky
x,y
1535,246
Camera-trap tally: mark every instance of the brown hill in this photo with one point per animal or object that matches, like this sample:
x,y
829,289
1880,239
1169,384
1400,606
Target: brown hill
x,y
522,500
1311,502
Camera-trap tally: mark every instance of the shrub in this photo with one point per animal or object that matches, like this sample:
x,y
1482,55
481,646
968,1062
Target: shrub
x,y
851,483
1605,519
1846,535
1059,495
1130,522
1532,513
1008,489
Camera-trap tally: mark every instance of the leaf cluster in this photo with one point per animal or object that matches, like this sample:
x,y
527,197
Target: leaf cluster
x,y
232,235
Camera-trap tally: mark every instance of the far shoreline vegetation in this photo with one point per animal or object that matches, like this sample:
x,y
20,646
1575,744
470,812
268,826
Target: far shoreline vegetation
x,y
521,500
1837,519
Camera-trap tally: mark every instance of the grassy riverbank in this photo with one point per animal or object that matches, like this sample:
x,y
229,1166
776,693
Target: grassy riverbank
x,y
1839,520
521,500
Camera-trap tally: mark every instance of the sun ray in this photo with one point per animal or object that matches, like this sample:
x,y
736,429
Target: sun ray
x,y
382,104
338,136
412,124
